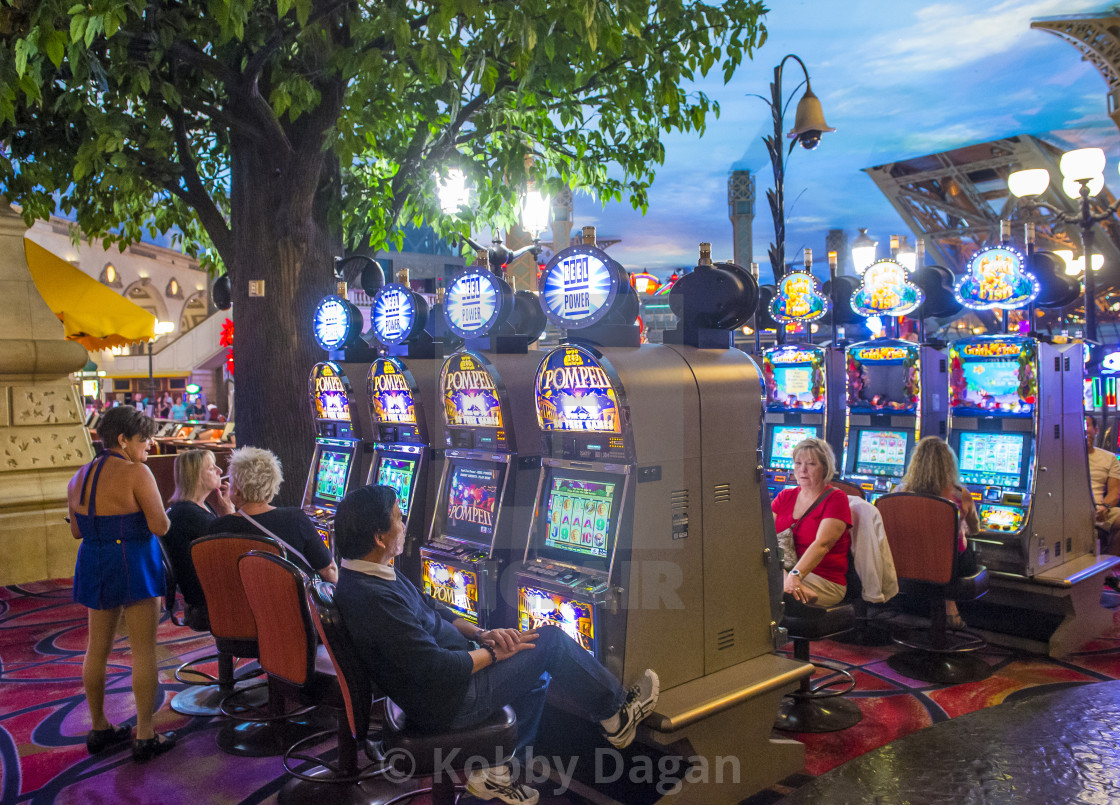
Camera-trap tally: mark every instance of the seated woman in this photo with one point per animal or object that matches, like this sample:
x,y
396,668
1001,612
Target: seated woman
x,y
196,476
933,471
255,478
822,524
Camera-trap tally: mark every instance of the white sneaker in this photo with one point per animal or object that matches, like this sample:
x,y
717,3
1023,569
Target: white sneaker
x,y
640,701
496,783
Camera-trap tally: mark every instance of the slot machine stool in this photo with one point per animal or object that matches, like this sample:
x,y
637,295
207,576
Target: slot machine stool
x,y
922,532
408,752
817,707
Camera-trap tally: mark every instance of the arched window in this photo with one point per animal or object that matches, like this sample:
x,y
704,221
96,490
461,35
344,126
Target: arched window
x,y
194,312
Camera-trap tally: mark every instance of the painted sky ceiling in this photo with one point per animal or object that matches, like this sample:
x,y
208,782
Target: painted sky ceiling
x,y
896,80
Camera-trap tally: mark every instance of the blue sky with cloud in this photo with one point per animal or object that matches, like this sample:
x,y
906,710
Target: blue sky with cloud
x,y
897,80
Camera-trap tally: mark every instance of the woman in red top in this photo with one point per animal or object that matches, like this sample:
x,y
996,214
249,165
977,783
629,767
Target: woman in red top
x,y
822,535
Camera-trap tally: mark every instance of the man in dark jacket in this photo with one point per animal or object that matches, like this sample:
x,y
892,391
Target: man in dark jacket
x,y
444,671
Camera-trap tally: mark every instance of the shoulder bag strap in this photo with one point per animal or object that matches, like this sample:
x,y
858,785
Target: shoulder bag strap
x,y
269,533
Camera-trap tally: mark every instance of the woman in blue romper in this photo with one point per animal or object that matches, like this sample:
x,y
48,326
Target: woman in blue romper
x,y
116,511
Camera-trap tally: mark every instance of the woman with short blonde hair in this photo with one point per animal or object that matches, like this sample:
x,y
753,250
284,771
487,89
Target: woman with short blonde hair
x,y
255,477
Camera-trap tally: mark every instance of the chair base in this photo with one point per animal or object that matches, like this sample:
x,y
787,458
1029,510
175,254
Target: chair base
x,y
940,669
270,738
804,714
442,794
326,789
206,700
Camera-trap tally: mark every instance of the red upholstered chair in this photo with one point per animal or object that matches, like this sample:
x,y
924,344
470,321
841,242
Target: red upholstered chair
x,y
848,488
922,532
411,753
259,727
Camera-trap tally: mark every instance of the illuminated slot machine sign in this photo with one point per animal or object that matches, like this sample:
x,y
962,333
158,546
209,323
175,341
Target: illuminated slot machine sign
x,y
454,587
798,299
329,394
475,302
395,314
578,287
538,607
472,401
391,393
884,378
995,277
993,377
574,393
885,291
794,377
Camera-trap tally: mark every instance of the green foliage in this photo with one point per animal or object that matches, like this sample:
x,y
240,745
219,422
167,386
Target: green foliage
x,y
135,114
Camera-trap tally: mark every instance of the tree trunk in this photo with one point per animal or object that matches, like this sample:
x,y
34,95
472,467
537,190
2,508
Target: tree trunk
x,y
281,238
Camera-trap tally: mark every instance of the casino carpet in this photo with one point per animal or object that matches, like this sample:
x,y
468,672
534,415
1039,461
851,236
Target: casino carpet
x,y
43,716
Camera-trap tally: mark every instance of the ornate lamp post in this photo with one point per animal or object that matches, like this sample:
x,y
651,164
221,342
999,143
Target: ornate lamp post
x,y
1083,178
808,126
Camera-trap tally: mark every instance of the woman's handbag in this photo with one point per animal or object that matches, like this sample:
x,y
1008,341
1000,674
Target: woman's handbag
x,y
785,537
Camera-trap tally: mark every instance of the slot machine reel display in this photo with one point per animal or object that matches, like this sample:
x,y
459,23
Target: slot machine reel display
x,y
340,461
895,396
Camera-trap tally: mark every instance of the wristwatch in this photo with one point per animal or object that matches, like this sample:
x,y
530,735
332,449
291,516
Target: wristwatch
x,y
795,572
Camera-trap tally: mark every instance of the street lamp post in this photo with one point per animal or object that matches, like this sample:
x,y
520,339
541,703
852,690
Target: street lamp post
x,y
1083,178
808,126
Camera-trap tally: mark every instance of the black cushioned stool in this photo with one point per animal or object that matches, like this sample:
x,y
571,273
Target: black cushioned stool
x,y
818,707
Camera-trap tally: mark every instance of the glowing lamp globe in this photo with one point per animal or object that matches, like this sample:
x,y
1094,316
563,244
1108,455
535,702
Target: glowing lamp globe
x,y
536,212
1072,187
1084,163
453,192
1027,183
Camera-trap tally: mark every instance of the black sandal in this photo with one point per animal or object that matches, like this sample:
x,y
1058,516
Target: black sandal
x,y
145,750
100,740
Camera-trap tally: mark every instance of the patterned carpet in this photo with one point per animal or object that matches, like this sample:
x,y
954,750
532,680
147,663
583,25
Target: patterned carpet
x,y
43,716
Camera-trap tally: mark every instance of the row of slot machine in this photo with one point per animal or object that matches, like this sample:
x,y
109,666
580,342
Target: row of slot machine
x,y
1010,406
578,487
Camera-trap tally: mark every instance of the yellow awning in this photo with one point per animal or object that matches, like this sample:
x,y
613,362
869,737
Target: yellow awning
x,y
95,316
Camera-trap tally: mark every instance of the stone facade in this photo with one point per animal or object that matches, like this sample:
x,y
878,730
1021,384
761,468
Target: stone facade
x,y
42,436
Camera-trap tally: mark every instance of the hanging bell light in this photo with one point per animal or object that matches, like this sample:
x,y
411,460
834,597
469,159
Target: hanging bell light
x,y
809,123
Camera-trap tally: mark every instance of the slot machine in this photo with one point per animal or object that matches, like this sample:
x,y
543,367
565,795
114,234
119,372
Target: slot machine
x,y
649,531
340,461
485,489
803,399
402,453
1015,422
896,394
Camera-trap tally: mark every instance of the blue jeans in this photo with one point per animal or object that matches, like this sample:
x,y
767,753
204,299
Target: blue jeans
x,y
521,681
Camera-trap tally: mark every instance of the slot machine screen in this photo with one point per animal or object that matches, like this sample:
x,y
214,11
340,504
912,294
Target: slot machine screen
x,y
474,491
454,587
331,474
882,452
579,517
884,388
400,474
783,438
993,459
537,607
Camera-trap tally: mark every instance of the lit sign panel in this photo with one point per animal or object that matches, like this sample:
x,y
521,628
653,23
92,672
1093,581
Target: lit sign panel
x,y
391,394
578,287
798,299
885,291
470,395
334,322
328,392
473,303
394,314
995,278
574,393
